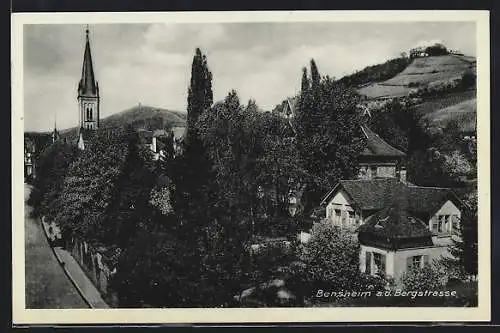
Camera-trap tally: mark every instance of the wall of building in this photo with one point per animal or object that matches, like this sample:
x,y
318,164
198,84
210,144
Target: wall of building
x,y
446,237
389,258
401,256
371,171
341,201
396,261
92,103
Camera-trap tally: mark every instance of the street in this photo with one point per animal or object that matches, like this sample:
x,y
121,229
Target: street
x,y
47,286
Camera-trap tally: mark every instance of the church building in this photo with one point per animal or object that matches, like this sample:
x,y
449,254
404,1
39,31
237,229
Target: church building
x,y
88,96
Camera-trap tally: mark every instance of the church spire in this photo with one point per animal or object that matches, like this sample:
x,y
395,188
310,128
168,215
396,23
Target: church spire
x,y
55,133
88,91
88,85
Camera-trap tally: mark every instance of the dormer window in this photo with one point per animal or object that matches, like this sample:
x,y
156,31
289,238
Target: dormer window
x,y
445,224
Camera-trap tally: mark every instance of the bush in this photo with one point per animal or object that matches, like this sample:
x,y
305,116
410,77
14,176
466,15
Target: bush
x,y
331,261
426,278
468,80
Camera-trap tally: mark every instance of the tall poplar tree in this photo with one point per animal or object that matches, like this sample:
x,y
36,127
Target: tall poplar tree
x,y
329,136
200,95
315,76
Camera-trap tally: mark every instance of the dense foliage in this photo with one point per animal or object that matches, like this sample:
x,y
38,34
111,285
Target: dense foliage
x,y
329,135
376,73
331,262
186,225
51,168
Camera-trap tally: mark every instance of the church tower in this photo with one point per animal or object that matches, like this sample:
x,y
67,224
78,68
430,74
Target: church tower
x,y
88,92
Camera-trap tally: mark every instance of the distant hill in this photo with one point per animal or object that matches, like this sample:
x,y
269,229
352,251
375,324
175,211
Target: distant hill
x,y
421,72
140,116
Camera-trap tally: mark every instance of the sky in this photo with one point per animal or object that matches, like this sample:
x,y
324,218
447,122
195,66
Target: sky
x,y
151,63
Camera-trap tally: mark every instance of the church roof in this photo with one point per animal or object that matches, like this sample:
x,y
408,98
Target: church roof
x,y
88,86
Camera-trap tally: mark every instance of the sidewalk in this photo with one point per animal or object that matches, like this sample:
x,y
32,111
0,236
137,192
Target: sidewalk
x,y
81,280
77,276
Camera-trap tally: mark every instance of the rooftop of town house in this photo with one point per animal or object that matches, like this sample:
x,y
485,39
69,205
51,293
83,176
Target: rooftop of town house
x,y
376,146
380,193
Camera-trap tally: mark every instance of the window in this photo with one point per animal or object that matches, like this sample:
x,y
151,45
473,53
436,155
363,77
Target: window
x,y
443,224
417,262
368,263
351,218
435,223
379,264
373,171
337,216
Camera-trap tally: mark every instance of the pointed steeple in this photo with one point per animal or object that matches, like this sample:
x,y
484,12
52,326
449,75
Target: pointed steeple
x,y
55,133
88,85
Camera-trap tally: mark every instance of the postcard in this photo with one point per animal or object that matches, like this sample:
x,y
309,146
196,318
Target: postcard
x,y
263,167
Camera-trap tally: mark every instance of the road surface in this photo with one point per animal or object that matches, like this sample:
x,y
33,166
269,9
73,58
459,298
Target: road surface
x,y
47,286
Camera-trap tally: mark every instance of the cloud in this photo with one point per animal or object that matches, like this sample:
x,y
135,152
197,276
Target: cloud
x,y
151,64
431,42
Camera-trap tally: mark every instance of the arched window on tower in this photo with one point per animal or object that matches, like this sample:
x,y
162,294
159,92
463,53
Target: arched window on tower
x,y
90,114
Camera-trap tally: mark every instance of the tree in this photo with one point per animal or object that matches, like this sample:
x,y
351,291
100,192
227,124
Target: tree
x,y
129,209
89,186
329,137
52,166
464,249
155,271
200,95
305,84
331,261
437,49
420,279
315,76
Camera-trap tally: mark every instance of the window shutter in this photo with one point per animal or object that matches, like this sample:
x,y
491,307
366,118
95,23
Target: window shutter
x,y
409,263
426,260
368,263
382,270
455,228
434,224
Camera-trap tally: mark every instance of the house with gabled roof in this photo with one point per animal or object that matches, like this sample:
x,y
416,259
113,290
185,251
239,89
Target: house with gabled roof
x,y
379,158
398,225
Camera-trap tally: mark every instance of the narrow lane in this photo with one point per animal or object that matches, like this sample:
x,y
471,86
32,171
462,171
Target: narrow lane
x,y
47,286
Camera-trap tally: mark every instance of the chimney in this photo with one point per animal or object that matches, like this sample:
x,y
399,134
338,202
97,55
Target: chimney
x,y
153,144
402,175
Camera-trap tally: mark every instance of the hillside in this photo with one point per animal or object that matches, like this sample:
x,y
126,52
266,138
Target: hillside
x,y
462,113
141,116
421,72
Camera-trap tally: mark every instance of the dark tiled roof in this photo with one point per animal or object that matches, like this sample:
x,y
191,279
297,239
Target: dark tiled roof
x,y
376,146
378,193
395,227
369,194
398,209
427,199
396,220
